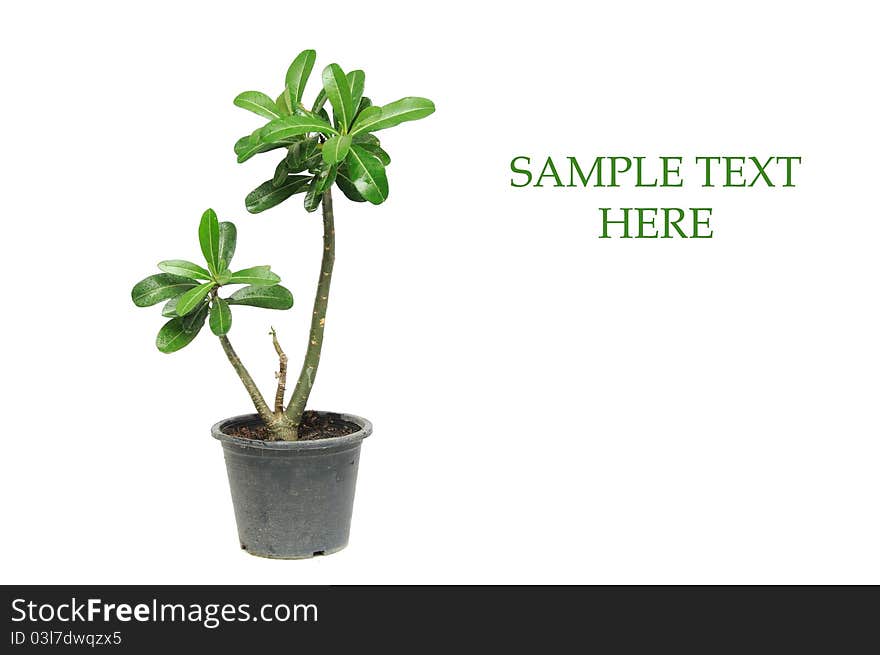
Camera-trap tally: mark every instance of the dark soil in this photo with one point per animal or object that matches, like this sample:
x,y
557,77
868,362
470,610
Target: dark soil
x,y
314,426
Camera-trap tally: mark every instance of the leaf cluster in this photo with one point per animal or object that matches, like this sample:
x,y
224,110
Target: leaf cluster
x,y
322,150
191,292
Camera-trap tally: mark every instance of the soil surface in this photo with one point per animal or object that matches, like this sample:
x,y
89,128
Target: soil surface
x,y
314,426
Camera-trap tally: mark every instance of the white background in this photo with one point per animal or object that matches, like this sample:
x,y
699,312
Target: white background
x,y
548,406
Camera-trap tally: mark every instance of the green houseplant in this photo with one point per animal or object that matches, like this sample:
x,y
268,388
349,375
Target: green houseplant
x,y
292,472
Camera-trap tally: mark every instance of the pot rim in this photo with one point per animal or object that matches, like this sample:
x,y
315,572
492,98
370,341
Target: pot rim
x,y
366,429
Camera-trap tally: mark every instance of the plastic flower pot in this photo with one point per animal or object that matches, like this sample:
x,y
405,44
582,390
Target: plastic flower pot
x,y
292,499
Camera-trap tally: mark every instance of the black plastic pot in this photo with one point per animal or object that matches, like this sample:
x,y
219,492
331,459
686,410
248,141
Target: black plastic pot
x,y
292,499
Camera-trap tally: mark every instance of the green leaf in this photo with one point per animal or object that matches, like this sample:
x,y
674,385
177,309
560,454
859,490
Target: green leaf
x,y
159,287
356,86
191,299
395,113
298,74
319,101
209,239
325,177
363,104
302,155
173,336
196,318
184,268
375,149
170,307
282,170
250,145
180,331
367,174
336,148
368,117
347,186
312,199
169,310
322,181
268,195
228,237
339,93
289,126
257,275
259,103
273,297
299,110
364,138
221,317
285,106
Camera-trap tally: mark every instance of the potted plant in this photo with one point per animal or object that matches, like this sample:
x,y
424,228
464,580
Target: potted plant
x,y
292,472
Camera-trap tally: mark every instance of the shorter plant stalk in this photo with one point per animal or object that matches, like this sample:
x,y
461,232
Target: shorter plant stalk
x,y
281,375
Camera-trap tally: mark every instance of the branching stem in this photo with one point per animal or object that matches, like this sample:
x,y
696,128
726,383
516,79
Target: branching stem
x,y
284,424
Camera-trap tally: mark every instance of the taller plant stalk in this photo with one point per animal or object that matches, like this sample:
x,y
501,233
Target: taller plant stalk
x,y
319,313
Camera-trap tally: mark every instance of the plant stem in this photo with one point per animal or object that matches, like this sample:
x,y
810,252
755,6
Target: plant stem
x,y
319,312
249,384
281,375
